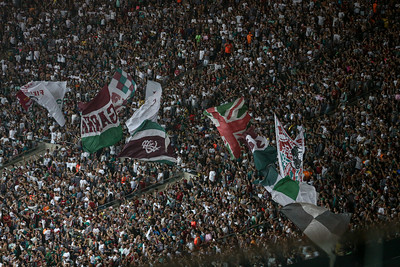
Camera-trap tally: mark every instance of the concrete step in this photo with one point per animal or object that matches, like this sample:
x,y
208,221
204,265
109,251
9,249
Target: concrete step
x,y
33,153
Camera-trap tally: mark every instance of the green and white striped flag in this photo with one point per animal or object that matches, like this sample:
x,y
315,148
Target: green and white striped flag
x,y
285,190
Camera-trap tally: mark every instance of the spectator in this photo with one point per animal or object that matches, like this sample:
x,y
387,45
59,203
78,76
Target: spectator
x,y
331,72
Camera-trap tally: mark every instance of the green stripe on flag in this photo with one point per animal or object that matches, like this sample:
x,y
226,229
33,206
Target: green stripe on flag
x,y
242,111
149,125
224,108
107,138
288,187
270,176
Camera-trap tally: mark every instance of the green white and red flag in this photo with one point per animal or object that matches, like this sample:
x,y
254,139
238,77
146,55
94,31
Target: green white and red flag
x,y
231,120
290,153
121,88
100,126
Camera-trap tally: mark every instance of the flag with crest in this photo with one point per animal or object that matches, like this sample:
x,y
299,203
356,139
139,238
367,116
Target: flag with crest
x,y
290,153
149,142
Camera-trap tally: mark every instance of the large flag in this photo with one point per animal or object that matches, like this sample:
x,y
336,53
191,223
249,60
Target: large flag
x,y
100,125
290,153
24,100
152,88
286,191
231,120
58,90
149,142
49,95
263,154
323,227
148,111
270,176
121,88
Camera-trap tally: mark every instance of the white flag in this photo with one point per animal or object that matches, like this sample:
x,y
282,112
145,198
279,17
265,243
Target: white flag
x,y
148,233
49,95
148,111
152,87
58,90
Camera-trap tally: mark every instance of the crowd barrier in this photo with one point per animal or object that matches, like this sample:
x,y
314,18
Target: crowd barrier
x,y
138,192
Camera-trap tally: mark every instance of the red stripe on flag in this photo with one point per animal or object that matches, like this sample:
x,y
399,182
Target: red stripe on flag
x,y
24,100
229,129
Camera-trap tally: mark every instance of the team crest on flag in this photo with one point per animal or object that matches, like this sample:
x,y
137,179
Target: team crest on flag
x,y
290,153
150,146
149,142
121,88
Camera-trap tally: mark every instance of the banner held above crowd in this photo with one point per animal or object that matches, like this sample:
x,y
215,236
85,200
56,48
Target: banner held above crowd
x,y
263,154
148,111
100,126
231,120
290,152
149,142
47,94
323,227
121,88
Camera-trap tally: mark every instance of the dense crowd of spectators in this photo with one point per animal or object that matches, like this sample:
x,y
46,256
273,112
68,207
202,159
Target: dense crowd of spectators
x,y
329,67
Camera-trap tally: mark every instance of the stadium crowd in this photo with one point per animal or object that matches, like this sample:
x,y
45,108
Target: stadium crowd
x,y
328,67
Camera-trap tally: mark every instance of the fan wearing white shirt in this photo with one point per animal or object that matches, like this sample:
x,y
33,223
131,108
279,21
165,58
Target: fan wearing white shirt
x,y
212,174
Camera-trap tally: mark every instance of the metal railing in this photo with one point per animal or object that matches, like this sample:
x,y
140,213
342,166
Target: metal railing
x,y
140,191
20,156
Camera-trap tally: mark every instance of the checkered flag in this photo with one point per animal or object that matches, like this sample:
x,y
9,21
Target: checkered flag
x,y
121,88
320,225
